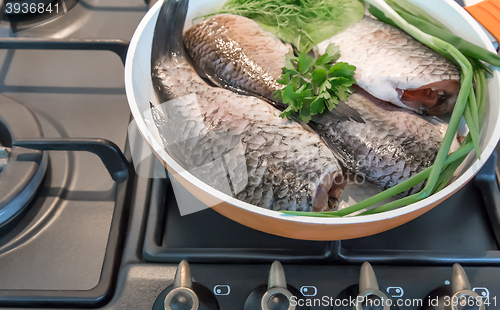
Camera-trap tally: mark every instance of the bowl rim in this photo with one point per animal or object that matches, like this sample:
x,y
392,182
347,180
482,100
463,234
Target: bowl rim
x,y
221,197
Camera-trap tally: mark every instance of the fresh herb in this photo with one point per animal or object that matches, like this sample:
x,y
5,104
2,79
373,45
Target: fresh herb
x,y
423,21
304,23
314,85
471,104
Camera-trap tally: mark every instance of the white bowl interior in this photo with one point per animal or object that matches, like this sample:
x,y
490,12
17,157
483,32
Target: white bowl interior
x,y
140,92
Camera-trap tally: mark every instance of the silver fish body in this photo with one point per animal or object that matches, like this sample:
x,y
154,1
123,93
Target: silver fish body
x,y
394,67
236,143
391,146
236,53
236,50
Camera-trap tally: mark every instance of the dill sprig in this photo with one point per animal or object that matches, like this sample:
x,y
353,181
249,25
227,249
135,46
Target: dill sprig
x,y
303,23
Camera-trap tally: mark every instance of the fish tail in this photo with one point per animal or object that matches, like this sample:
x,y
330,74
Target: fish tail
x,y
167,39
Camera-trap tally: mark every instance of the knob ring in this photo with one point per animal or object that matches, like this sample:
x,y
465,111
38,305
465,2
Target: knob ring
x,y
273,292
375,292
466,293
181,290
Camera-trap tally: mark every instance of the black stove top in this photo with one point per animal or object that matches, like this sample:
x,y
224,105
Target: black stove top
x,y
463,218
410,261
94,233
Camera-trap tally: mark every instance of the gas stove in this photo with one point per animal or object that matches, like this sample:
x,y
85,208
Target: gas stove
x,y
82,226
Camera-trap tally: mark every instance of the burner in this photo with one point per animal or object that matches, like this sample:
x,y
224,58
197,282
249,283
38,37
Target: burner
x,y
22,170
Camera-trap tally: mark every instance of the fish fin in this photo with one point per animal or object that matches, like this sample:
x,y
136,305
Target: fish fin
x,y
219,82
338,151
344,159
341,112
167,38
341,155
223,84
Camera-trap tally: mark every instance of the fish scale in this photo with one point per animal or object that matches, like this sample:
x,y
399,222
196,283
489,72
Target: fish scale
x,y
388,60
220,36
391,146
234,52
283,163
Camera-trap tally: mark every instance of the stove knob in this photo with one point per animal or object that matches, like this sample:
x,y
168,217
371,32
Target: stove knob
x,y
185,294
450,297
276,295
369,289
367,295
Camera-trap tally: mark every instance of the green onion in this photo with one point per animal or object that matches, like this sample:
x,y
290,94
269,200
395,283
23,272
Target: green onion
x,y
418,18
469,105
454,159
443,48
397,189
472,123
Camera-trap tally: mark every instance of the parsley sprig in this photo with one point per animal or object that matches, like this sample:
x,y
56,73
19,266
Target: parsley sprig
x,y
314,85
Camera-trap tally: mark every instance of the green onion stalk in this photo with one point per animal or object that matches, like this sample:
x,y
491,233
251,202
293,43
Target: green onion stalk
x,y
457,157
423,21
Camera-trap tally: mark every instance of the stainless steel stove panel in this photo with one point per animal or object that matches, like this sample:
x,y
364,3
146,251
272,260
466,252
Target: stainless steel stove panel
x,y
59,243
66,89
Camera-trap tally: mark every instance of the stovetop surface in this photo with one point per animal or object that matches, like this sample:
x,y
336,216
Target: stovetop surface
x,y
462,216
59,243
410,261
